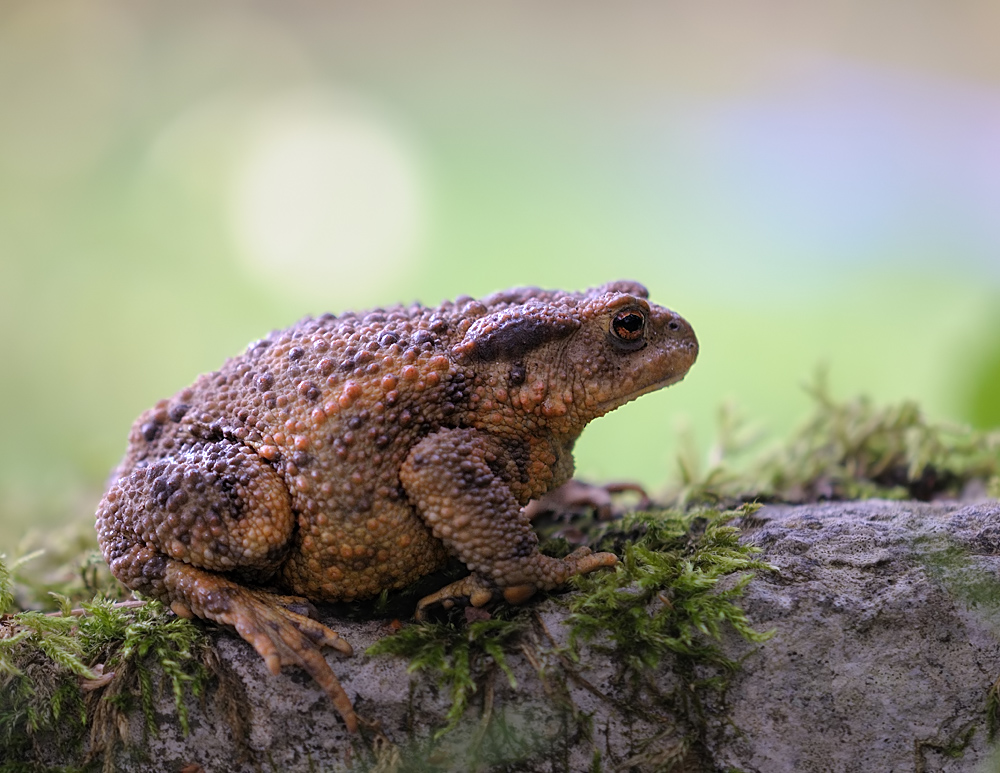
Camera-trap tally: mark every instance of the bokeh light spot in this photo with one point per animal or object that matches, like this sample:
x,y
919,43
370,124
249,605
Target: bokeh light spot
x,y
327,197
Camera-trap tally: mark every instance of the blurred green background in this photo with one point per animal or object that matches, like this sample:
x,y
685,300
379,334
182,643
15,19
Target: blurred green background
x,y
807,183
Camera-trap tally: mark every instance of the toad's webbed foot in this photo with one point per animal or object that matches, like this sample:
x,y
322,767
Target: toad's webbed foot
x,y
281,635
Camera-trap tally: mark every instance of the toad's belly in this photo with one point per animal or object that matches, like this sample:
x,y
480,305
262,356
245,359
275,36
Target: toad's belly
x,y
338,557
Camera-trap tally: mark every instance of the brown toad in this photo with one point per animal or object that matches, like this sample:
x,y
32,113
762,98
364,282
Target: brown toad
x,y
347,455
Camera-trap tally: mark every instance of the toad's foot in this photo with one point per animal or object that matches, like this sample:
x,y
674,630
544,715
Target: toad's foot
x,y
469,590
270,623
478,592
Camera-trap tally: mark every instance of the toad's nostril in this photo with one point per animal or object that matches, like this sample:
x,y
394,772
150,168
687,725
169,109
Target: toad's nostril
x,y
674,325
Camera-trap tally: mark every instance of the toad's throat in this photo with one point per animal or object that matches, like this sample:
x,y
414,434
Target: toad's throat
x,y
609,405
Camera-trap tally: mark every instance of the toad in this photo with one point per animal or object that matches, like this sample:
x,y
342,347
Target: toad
x,y
348,455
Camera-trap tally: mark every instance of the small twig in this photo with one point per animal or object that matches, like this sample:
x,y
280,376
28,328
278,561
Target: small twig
x,y
529,655
645,501
88,685
130,604
568,665
484,721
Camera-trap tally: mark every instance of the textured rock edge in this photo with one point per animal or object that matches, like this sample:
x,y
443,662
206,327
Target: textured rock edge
x,y
886,646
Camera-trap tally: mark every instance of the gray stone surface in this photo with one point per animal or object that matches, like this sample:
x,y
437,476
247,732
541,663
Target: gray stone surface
x,y
887,640
887,620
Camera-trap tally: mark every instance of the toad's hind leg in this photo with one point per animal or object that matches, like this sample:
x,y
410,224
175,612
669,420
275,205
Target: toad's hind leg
x,y
280,635
170,529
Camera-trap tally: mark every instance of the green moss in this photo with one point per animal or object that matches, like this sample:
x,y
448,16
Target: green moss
x,y
966,580
64,562
846,450
993,712
972,584
454,656
6,587
501,740
464,660
83,669
664,597
664,600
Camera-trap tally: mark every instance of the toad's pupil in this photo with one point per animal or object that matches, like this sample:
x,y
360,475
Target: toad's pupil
x,y
628,325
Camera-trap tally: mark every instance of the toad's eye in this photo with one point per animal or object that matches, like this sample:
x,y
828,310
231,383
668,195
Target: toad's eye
x,y
628,326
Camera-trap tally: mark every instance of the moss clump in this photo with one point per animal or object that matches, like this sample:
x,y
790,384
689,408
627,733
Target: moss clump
x,y
664,596
846,450
663,600
667,600
6,587
87,667
65,562
456,656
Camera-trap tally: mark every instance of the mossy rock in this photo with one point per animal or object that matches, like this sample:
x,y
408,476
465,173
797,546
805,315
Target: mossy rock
x,y
884,652
886,645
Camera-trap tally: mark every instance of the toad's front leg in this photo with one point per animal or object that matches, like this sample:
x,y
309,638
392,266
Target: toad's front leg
x,y
459,481
172,528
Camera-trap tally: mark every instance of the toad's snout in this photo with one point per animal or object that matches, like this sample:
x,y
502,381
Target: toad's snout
x,y
676,335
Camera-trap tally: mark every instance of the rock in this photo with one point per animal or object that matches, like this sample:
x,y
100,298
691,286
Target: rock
x,y
886,644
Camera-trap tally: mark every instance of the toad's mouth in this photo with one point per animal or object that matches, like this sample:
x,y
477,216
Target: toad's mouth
x,y
609,405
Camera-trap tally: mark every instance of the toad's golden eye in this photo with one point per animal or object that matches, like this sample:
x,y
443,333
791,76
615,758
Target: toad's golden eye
x,y
628,326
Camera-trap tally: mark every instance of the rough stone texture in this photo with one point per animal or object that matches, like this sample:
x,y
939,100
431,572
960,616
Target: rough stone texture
x,y
887,619
887,640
